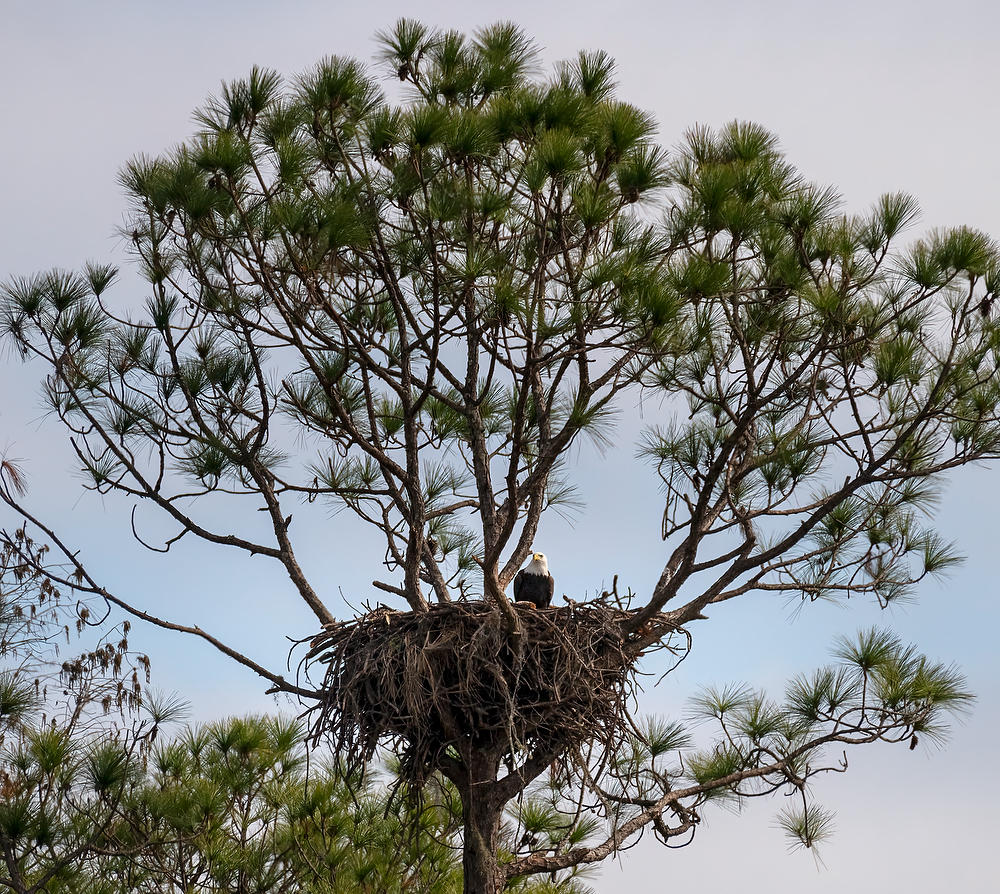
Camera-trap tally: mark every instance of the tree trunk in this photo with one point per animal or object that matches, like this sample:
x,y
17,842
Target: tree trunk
x,y
481,814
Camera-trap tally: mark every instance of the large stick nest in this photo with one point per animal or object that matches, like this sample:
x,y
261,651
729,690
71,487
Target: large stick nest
x,y
455,676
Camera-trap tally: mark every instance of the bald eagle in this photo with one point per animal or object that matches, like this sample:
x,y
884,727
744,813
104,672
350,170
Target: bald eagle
x,y
533,583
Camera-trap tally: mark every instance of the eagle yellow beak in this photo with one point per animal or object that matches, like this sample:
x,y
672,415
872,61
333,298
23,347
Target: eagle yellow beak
x,y
535,555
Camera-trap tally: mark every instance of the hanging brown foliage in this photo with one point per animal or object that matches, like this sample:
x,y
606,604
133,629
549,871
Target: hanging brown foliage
x,y
454,675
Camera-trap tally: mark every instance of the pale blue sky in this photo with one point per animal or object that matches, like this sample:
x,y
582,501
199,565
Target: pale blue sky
x,y
871,97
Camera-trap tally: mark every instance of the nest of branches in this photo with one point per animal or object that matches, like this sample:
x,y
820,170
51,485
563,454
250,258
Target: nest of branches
x,y
455,676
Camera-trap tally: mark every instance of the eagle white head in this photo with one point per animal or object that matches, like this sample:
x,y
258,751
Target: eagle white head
x,y
538,564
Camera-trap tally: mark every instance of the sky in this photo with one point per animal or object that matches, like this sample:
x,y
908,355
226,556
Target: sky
x,y
871,97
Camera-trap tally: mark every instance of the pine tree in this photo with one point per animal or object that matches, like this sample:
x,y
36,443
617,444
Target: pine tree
x,y
441,295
